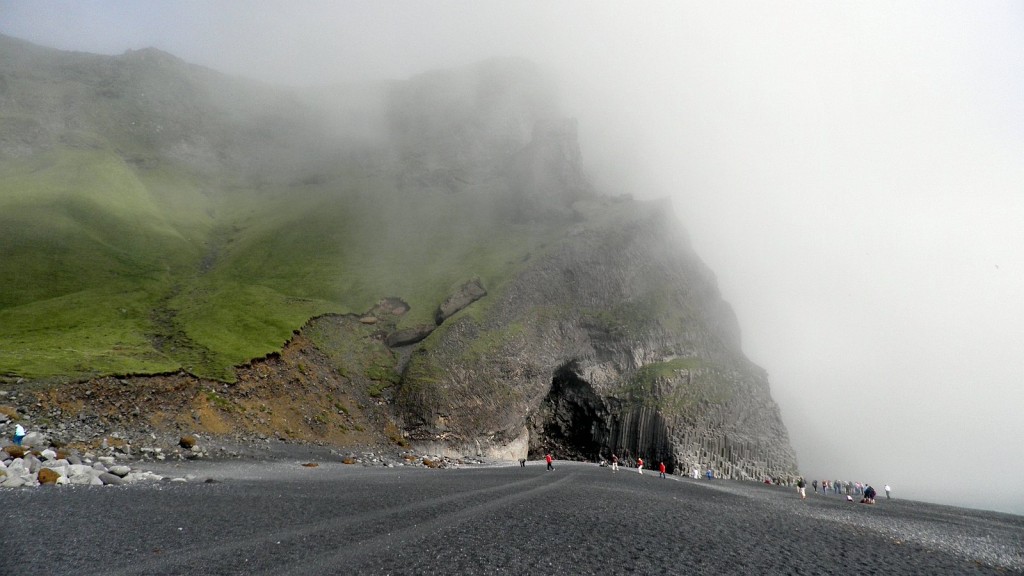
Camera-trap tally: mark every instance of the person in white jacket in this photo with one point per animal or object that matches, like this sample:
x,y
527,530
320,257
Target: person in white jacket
x,y
19,434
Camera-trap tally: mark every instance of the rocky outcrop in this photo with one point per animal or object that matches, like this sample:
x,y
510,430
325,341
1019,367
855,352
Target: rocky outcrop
x,y
466,294
549,170
615,340
409,336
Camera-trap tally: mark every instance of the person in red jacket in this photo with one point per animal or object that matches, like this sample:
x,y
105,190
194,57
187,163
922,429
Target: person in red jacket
x,y
661,469
640,465
549,459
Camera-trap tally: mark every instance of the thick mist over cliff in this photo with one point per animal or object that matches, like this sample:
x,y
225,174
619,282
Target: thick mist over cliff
x,y
850,172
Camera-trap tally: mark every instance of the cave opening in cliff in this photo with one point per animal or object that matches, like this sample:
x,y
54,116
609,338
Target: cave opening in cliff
x,y
572,422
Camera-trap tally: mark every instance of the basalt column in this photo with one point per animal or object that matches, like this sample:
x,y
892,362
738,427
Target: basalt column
x,y
640,431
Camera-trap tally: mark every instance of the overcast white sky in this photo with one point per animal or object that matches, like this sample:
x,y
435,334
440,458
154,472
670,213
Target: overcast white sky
x,y
852,171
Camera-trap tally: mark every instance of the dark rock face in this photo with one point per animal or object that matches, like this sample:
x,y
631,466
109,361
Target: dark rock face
x,y
615,340
576,423
571,421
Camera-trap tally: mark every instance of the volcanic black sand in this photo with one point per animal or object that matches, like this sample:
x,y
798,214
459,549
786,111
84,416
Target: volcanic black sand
x,y
283,518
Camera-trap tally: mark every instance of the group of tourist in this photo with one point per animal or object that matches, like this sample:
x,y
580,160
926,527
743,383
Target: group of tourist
x,y
866,492
639,464
841,487
614,461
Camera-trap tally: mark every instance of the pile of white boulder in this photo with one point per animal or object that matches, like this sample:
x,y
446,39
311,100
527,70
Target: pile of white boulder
x,y
27,466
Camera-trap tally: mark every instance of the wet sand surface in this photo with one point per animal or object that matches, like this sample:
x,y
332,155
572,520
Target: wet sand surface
x,y
282,518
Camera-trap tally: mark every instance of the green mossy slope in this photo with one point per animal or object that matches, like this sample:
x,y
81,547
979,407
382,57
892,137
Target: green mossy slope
x,y
117,269
157,216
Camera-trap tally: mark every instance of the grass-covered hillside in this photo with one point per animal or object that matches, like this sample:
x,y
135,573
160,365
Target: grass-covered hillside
x,y
157,216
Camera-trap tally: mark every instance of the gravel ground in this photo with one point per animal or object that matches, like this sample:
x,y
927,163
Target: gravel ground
x,y
282,518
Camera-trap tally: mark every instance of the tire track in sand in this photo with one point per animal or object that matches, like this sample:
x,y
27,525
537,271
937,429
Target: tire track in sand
x,y
343,538
355,554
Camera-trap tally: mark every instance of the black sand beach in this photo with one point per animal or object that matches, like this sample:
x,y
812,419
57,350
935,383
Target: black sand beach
x,y
283,518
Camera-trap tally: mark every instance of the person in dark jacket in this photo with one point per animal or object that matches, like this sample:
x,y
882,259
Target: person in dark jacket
x,y
869,496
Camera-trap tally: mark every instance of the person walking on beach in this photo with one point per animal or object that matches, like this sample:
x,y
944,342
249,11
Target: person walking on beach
x,y
887,490
640,465
549,459
801,488
19,434
615,463
814,484
661,469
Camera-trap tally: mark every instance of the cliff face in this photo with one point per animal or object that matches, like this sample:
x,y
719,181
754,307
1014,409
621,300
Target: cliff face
x,y
612,340
195,221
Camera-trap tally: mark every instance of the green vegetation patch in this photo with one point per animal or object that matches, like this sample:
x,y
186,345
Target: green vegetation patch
x,y
83,334
229,324
221,402
677,387
73,221
488,344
